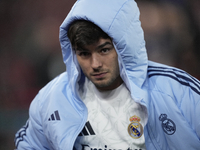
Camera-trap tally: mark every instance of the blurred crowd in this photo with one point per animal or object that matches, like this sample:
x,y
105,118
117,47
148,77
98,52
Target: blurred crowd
x,y
30,54
172,32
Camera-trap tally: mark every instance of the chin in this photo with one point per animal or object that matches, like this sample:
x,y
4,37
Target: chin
x,y
103,85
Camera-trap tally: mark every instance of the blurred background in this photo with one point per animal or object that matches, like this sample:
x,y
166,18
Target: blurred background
x,y
30,54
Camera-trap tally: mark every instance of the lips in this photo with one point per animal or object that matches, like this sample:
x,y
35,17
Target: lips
x,y
99,75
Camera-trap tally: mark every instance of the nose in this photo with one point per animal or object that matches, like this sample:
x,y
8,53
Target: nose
x,y
96,61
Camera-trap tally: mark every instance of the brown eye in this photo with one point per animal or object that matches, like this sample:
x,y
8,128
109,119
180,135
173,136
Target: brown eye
x,y
105,50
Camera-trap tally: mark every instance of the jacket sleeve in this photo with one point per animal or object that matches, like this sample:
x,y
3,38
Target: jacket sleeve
x,y
197,126
189,102
31,136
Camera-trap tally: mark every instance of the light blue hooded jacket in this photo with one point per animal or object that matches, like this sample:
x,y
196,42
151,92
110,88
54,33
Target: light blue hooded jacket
x,y
171,96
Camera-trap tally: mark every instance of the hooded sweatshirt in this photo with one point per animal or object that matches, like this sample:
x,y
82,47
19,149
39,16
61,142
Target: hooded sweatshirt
x,y
170,96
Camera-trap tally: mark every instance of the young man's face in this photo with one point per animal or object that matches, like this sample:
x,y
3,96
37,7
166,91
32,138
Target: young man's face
x,y
99,63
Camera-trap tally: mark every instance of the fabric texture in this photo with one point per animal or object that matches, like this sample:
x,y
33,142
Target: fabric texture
x,y
109,114
170,96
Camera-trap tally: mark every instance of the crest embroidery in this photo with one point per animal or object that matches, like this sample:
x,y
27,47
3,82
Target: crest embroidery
x,y
135,129
168,125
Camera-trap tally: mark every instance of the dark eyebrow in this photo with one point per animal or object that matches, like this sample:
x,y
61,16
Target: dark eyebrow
x,y
98,47
104,44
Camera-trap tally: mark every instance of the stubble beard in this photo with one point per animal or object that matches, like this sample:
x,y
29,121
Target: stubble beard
x,y
107,85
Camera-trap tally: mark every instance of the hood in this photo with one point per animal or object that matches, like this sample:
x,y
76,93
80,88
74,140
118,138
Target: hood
x,y
120,20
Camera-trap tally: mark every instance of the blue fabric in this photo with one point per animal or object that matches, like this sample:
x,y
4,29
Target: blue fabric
x,y
170,95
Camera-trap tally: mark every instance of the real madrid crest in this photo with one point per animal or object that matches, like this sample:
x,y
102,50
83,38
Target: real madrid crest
x,y
168,125
135,129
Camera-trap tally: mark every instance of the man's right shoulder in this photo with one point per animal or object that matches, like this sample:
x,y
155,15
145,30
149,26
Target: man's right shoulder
x,y
60,80
54,87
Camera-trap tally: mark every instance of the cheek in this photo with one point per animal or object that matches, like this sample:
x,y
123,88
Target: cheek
x,y
114,61
115,65
84,66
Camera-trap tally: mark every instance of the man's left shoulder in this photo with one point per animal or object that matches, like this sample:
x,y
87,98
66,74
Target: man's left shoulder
x,y
167,78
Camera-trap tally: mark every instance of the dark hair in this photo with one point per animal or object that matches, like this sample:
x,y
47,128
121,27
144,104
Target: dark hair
x,y
82,33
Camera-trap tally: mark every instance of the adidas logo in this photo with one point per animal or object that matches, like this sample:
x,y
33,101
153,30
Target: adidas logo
x,y
54,116
87,130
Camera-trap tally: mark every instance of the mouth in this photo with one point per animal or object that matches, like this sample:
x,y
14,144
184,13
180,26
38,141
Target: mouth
x,y
99,75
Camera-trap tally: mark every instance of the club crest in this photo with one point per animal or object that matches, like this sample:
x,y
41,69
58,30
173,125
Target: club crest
x,y
135,129
168,125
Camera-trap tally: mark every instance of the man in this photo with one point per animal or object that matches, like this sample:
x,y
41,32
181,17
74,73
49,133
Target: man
x,y
111,96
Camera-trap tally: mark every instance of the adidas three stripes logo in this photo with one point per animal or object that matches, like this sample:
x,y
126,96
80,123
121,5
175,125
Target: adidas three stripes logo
x,y
54,116
87,130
